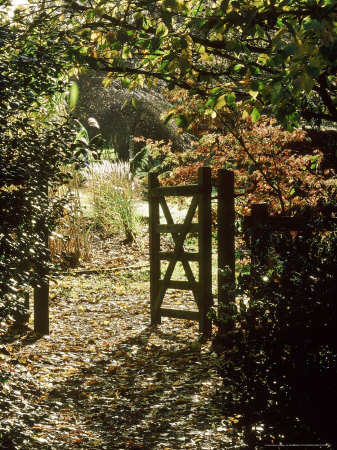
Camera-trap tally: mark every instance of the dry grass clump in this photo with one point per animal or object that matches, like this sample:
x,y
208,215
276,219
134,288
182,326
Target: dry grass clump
x,y
69,243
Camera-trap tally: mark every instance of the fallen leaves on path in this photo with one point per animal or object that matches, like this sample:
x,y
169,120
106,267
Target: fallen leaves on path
x,y
105,378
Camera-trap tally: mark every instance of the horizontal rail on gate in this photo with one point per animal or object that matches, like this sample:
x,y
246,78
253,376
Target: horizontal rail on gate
x,y
167,256
176,228
180,314
169,191
183,285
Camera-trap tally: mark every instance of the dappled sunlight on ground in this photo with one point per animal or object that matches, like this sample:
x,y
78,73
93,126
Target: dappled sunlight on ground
x,y
105,378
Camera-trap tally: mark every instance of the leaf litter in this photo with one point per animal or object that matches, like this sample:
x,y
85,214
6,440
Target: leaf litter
x,y
104,378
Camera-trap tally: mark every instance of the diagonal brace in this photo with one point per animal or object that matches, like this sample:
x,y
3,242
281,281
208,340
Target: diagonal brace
x,y
176,253
175,236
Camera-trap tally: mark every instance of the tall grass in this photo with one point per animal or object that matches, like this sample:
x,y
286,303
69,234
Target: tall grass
x,y
114,193
69,244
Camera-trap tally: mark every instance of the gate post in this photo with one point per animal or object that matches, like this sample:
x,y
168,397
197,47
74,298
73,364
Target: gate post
x,y
205,249
226,242
259,215
41,292
154,248
41,304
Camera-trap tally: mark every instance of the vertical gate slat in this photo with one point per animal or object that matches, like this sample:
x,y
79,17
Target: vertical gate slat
x,y
205,249
154,248
226,238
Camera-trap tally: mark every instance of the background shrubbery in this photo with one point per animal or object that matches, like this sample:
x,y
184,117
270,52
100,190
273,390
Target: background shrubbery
x,y
289,170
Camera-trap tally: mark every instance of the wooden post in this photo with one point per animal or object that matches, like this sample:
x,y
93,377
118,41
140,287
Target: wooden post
x,y
26,303
205,249
154,248
226,239
259,214
41,304
41,294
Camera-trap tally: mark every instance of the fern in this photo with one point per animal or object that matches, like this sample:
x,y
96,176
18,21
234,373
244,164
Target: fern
x,y
141,163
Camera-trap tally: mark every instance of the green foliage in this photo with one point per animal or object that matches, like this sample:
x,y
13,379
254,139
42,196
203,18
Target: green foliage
x,y
280,351
233,62
31,154
156,156
92,148
246,55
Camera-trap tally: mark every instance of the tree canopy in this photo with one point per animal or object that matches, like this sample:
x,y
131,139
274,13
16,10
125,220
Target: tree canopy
x,y
251,55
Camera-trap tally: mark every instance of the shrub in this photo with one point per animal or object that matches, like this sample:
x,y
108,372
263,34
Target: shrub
x,y
280,355
290,170
270,164
155,156
32,151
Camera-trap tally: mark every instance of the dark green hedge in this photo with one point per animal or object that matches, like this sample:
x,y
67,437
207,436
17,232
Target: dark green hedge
x,y
279,360
34,145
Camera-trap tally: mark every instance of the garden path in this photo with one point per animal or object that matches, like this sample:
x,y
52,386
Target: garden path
x,y
104,378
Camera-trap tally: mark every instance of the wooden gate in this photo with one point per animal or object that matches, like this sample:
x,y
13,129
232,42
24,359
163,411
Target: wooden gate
x,y
201,287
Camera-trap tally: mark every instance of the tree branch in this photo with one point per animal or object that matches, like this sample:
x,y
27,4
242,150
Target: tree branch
x,y
322,90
